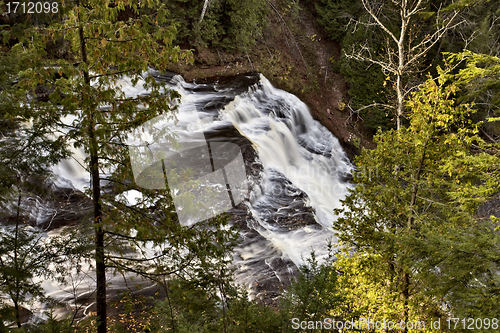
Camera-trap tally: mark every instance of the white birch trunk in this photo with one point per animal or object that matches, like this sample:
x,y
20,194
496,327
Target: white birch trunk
x,y
205,6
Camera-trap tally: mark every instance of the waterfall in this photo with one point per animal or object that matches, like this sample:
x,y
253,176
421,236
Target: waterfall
x,y
297,177
295,170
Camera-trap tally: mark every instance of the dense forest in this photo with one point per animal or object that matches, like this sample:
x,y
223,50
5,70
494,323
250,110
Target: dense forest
x,y
411,88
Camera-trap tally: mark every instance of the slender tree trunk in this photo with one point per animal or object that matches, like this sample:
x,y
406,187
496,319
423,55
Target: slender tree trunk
x,y
222,290
99,234
165,285
399,116
406,297
96,198
16,265
205,6
401,67
400,109
18,316
223,295
406,276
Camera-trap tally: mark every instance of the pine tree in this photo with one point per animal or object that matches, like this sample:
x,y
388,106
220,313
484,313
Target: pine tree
x,y
413,207
113,41
366,288
479,83
314,295
27,151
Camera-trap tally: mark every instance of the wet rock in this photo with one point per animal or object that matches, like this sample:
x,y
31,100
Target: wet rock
x,y
58,208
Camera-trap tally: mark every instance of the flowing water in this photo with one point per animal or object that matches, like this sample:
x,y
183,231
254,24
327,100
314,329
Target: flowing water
x,y
296,171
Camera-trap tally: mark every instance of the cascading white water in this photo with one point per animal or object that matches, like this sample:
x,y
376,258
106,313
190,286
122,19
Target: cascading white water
x,y
291,146
300,179
302,165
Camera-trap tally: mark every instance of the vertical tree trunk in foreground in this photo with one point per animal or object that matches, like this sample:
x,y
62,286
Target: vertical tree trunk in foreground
x,y
96,198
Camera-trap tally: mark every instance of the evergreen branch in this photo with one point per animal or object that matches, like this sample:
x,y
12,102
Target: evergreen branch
x,y
120,266
129,237
114,40
138,259
111,74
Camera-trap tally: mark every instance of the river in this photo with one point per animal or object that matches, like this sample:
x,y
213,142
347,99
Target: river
x,y
295,169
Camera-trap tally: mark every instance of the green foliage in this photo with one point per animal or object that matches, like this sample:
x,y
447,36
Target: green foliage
x,y
478,79
86,104
366,287
314,295
19,266
27,258
367,84
480,76
414,209
27,148
222,307
481,33
370,291
335,16
233,25
191,307
247,22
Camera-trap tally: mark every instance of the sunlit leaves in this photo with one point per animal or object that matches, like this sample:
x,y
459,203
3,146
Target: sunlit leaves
x,y
480,78
415,208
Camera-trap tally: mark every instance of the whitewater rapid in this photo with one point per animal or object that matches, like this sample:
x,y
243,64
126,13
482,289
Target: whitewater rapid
x,y
297,175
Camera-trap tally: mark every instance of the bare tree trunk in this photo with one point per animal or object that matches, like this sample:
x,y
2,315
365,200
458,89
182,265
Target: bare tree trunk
x,y
410,52
205,6
16,264
165,285
400,106
406,296
18,317
401,64
96,198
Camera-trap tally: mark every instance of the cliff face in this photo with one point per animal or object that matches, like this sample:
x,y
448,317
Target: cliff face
x,y
295,54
